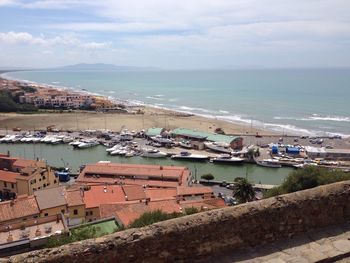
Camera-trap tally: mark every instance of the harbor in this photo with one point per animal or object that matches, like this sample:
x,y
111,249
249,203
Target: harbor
x,y
62,155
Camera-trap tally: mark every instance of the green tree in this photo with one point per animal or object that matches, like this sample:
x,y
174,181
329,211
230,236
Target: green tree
x,y
77,234
243,191
308,178
152,217
208,177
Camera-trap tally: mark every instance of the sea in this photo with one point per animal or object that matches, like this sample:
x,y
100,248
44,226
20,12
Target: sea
x,y
287,101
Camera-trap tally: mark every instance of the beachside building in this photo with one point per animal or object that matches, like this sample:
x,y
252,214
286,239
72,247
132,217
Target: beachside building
x,y
24,177
197,138
135,174
51,201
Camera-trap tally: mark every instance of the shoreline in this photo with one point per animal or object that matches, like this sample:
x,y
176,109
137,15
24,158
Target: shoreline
x,y
240,127
152,116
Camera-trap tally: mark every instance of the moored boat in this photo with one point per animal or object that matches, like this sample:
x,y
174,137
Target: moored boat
x,y
190,156
216,147
269,163
153,153
228,159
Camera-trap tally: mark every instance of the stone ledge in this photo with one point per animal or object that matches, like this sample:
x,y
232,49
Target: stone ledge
x,y
213,232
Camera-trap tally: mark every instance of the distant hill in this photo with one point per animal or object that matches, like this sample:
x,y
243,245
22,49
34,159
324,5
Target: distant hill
x,y
100,66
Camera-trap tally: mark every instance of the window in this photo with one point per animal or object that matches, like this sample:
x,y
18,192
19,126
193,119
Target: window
x,y
5,184
34,189
86,213
44,177
12,185
75,211
91,213
55,181
62,211
44,185
46,214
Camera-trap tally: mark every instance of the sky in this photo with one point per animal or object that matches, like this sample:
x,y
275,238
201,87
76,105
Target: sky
x,y
169,34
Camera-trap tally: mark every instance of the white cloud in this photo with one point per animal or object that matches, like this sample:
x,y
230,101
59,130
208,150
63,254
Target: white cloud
x,y
66,40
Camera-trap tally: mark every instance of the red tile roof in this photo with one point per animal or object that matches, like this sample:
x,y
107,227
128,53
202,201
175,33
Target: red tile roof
x,y
8,176
182,190
110,180
156,174
74,198
205,204
22,163
127,213
160,194
18,208
134,192
100,194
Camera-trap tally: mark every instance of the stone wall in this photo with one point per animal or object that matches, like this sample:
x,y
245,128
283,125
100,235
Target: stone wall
x,y
214,232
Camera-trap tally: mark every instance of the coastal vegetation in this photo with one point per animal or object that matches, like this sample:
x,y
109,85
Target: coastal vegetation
x,y
8,104
152,217
207,177
308,178
243,190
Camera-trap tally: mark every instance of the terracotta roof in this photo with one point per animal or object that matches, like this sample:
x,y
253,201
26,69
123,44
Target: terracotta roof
x,y
74,198
110,180
52,197
160,194
116,169
8,176
21,163
19,208
100,194
134,192
183,190
211,203
127,213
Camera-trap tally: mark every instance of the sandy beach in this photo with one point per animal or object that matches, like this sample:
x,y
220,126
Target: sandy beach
x,y
152,117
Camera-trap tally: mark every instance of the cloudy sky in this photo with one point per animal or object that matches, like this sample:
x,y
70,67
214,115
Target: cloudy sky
x,y
176,34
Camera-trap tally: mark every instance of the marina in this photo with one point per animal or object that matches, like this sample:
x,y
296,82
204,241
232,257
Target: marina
x,y
63,155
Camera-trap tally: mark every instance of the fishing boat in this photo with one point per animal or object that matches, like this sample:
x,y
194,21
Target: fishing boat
x,y
190,156
153,153
217,147
228,159
269,163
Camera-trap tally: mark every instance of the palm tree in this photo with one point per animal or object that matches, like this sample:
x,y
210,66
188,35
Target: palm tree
x,y
243,191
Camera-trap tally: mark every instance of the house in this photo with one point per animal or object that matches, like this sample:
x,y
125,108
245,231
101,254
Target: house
x,y
22,208
51,201
24,177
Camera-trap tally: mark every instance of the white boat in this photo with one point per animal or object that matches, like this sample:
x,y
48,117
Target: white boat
x,y
114,148
120,151
8,138
130,154
226,158
87,144
17,138
153,153
269,163
56,141
189,156
216,147
75,143
185,144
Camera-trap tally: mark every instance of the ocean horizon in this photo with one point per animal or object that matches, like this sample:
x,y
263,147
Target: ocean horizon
x,y
288,101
